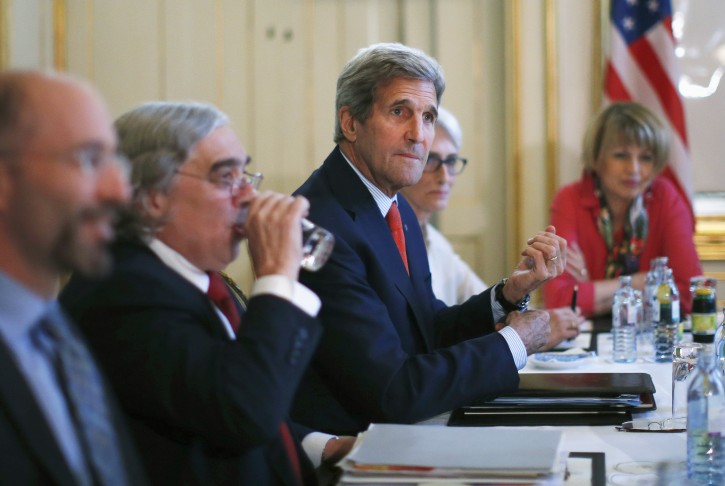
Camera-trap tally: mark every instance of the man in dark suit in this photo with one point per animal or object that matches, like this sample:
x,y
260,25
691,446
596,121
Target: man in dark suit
x,y
60,186
392,352
208,402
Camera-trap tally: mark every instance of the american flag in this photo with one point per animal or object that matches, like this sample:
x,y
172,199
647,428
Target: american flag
x,y
642,67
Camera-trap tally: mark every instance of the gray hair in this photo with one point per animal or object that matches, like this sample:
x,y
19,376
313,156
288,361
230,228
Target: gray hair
x,y
629,123
157,138
374,66
449,124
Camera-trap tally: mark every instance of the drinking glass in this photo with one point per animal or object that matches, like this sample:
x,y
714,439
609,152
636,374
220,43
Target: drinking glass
x,y
317,245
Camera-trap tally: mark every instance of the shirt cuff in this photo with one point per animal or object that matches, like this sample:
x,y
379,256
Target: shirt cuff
x,y
314,444
290,290
516,345
496,307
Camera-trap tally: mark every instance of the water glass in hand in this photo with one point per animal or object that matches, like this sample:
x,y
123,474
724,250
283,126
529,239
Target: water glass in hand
x,y
317,245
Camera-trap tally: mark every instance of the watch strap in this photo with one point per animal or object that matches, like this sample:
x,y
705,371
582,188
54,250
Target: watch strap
x,y
507,306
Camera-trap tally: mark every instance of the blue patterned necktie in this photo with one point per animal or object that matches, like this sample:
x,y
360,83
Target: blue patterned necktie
x,y
81,385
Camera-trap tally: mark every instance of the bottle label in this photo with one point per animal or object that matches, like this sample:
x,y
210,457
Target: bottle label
x,y
716,414
704,323
632,314
655,310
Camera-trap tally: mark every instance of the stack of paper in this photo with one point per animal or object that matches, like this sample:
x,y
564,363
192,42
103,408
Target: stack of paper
x,y
400,454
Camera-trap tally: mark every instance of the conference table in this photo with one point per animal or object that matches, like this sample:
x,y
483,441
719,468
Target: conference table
x,y
630,457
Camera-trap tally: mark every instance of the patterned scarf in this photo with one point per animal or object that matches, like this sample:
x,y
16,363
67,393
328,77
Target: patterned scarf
x,y
623,255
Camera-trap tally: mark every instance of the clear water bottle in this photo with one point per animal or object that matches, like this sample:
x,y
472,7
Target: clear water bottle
x,y
626,316
706,422
667,316
645,334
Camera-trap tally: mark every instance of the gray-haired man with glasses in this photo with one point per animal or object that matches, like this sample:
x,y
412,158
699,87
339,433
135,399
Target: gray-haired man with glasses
x,y
206,382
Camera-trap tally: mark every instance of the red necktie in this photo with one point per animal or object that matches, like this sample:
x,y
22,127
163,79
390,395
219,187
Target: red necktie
x,y
222,298
396,229
219,294
289,445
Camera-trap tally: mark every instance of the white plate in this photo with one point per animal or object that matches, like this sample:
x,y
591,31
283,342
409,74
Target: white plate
x,y
569,359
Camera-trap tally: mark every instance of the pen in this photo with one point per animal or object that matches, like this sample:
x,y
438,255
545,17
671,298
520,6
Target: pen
x,y
573,298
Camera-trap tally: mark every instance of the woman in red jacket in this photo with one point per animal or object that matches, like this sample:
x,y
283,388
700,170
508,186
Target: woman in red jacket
x,y
621,214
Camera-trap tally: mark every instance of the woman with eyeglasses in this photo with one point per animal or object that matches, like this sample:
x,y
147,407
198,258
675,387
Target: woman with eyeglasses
x,y
621,214
452,279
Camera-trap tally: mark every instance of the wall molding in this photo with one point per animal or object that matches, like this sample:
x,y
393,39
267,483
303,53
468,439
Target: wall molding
x,y
551,107
60,38
4,34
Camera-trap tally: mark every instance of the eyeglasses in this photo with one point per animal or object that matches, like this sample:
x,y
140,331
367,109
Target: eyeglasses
x,y
89,158
229,179
454,164
664,425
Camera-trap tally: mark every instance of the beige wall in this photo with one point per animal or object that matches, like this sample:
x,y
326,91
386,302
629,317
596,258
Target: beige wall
x,y
522,78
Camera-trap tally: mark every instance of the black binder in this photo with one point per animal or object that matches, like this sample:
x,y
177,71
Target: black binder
x,y
564,399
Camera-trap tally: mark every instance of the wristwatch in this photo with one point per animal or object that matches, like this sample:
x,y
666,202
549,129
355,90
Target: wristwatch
x,y
521,305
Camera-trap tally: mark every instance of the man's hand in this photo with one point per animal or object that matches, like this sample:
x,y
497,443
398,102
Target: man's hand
x,y
337,448
274,233
543,259
564,324
532,327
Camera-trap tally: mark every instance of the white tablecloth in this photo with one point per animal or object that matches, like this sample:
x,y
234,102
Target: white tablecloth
x,y
621,448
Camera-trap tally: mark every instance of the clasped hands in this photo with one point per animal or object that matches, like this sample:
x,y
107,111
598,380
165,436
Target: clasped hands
x,y
543,258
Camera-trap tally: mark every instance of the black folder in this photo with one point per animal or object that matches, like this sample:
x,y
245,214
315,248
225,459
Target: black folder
x,y
564,399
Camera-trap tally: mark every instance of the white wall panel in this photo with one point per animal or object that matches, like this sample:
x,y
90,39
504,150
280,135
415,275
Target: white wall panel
x,y
235,86
125,51
328,57
31,45
575,21
191,50
531,121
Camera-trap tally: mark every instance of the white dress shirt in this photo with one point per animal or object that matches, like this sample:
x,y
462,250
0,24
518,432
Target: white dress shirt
x,y
20,311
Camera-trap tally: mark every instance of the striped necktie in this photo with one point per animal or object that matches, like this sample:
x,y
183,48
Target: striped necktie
x,y
82,387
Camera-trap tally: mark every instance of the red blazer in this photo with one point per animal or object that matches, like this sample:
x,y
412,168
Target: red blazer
x,y
574,212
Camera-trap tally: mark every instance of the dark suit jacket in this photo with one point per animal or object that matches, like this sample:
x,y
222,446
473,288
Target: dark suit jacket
x,y
204,409
391,351
29,454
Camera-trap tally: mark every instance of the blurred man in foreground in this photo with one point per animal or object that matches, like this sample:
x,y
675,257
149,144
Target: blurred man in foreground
x,y
60,186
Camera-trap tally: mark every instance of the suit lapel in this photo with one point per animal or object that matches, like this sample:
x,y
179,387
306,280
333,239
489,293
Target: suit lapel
x,y
191,293
347,188
17,398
